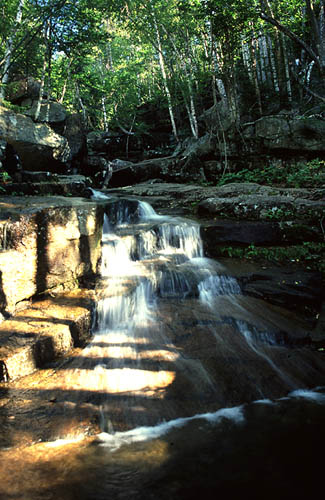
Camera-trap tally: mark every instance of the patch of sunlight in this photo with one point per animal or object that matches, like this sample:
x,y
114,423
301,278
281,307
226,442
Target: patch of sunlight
x,y
127,352
119,380
159,355
101,379
119,337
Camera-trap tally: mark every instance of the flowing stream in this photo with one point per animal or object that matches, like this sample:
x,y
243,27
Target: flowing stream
x,y
190,381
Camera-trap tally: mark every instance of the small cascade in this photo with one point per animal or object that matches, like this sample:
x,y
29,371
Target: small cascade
x,y
115,253
182,376
183,238
163,311
216,285
266,338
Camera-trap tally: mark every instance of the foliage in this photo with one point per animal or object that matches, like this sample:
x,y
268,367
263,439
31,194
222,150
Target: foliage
x,y
103,57
301,174
309,254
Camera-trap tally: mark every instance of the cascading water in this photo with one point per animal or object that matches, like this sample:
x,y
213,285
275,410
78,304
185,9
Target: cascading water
x,y
160,301
187,389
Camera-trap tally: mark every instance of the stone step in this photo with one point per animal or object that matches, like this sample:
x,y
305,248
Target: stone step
x,y
43,332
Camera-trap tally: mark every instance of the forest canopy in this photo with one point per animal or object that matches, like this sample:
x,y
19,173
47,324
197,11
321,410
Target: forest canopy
x,y
110,59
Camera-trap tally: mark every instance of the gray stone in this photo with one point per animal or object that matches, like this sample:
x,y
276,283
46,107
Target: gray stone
x,y
285,132
75,135
26,88
50,112
255,202
38,147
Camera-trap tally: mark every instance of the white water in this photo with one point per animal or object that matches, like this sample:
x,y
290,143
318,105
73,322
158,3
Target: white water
x,y
141,264
235,414
141,434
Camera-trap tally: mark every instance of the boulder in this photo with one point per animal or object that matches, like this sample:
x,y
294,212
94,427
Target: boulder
x,y
135,173
75,135
255,202
46,243
169,169
38,146
205,145
292,133
51,112
98,168
45,183
22,90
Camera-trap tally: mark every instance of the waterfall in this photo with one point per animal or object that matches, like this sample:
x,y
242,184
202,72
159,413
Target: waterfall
x,y
216,285
164,313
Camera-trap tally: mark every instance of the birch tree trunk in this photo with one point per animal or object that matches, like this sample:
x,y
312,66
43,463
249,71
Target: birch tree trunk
x,y
273,64
8,51
255,75
45,64
164,75
286,68
183,65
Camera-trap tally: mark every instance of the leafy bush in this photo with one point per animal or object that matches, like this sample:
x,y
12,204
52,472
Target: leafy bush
x,y
301,174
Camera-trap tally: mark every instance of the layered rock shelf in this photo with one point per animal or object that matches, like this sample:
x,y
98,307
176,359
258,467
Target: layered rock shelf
x,y
47,245
45,331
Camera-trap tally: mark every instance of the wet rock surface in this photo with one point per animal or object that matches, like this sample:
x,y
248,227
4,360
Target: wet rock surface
x,y
174,337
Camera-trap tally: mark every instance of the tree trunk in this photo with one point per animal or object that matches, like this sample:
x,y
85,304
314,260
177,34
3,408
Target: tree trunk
x,y
81,104
8,51
273,64
104,114
164,76
286,69
45,64
255,76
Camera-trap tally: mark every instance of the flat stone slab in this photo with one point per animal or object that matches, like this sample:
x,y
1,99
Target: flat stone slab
x,y
43,332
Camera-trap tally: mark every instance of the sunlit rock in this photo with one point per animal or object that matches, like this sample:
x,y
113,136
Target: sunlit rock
x,y
37,145
46,243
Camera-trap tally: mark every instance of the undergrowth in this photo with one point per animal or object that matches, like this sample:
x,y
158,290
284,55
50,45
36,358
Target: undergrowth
x,y
301,174
309,254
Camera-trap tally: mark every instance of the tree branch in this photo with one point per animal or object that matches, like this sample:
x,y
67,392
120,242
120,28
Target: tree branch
x,y
293,37
311,92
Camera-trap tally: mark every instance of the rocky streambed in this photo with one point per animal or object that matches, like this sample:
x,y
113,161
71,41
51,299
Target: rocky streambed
x,y
177,338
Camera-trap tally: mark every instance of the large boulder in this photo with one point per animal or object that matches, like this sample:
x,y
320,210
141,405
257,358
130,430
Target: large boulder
x,y
46,242
170,169
75,134
20,90
286,132
44,183
98,168
51,112
37,145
